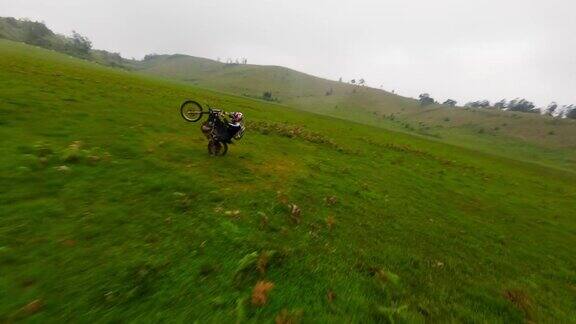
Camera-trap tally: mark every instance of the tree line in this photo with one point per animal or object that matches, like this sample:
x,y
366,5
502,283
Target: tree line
x,y
518,104
38,34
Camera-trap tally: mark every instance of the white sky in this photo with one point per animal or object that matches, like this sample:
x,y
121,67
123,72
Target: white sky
x,y
466,50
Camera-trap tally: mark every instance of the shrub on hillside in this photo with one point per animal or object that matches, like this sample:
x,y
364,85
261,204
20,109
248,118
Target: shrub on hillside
x,y
294,131
267,95
152,56
478,104
107,58
425,99
549,111
80,44
502,104
522,105
36,33
570,112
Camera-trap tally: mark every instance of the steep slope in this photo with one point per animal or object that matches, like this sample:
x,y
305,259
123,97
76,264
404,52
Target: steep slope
x,y
520,135
111,211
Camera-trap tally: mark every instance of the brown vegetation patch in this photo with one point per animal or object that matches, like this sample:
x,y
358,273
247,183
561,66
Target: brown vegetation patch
x,y
260,293
294,131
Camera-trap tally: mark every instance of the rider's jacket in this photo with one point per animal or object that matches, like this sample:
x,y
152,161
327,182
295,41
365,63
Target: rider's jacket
x,y
233,128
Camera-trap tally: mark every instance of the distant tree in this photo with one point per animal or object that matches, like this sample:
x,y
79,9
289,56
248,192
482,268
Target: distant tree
x,y
81,44
244,61
425,99
12,21
478,104
267,95
560,112
340,80
150,56
36,33
108,58
549,111
361,82
450,102
353,81
570,112
502,104
330,92
522,105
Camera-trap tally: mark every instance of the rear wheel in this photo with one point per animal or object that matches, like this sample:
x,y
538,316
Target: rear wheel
x,y
191,111
217,148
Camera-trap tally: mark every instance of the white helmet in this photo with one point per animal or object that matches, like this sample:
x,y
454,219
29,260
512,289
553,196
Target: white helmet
x,y
237,117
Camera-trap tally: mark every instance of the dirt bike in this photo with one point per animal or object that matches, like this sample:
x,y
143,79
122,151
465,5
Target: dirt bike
x,y
215,128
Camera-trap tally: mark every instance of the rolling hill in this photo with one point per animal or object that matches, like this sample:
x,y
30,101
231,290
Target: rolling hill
x,y
112,211
525,136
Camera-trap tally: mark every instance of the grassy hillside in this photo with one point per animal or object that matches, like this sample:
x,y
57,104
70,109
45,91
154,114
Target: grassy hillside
x,y
111,210
37,34
522,135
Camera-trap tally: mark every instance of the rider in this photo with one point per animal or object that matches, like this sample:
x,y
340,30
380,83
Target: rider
x,y
226,130
233,126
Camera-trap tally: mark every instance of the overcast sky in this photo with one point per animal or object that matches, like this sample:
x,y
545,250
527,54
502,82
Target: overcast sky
x,y
466,50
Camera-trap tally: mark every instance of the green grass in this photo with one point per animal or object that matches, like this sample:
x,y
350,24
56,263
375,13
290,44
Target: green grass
x,y
141,224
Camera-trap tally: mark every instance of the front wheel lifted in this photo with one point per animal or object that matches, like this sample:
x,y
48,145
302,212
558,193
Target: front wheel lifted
x,y
191,111
217,148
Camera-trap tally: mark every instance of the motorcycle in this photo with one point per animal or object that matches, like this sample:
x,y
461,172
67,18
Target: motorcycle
x,y
214,128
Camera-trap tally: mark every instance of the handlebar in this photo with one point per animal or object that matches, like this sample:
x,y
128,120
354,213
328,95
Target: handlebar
x,y
217,111
213,111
